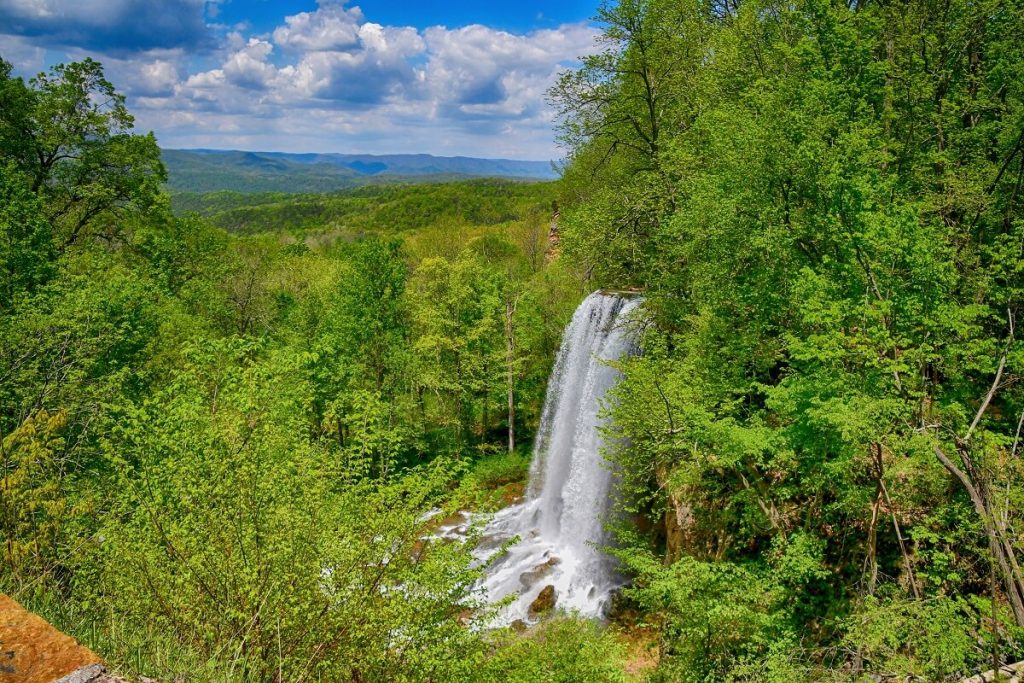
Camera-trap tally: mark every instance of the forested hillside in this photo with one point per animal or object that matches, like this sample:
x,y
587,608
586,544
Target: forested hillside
x,y
207,170
822,202
380,209
225,429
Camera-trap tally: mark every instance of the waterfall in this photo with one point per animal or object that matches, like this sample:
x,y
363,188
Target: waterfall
x,y
561,522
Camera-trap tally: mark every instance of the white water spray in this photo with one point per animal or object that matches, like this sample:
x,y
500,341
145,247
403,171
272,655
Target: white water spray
x,y
561,522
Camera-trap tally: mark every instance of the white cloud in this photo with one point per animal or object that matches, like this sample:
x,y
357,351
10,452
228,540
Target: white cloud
x,y
479,71
248,67
331,27
377,70
108,26
330,80
156,78
26,57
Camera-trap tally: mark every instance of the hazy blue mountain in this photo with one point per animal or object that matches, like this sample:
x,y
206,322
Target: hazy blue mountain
x,y
206,170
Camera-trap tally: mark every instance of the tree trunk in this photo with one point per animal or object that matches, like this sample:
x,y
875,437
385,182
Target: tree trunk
x,y
1002,551
871,557
510,348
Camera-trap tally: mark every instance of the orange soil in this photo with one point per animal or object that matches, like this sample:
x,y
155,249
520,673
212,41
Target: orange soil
x,y
33,651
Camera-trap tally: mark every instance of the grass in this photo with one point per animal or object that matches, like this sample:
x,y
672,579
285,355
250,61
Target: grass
x,y
129,649
494,471
494,482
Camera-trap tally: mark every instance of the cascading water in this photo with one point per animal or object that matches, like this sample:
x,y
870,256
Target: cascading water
x,y
561,523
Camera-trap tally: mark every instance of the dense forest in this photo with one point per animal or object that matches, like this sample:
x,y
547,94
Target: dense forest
x,y
822,202
379,210
221,426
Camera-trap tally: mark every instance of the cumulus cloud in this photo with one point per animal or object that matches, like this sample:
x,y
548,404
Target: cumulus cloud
x,y
478,71
248,67
108,26
371,73
331,27
155,79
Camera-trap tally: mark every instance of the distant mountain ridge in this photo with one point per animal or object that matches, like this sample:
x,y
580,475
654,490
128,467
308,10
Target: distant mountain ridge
x,y
208,170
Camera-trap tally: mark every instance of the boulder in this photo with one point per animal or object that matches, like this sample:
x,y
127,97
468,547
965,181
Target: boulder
x,y
544,601
621,608
528,578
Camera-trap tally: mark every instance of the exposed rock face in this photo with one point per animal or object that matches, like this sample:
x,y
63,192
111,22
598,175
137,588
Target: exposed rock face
x,y
94,673
1010,673
622,608
534,575
33,651
544,602
554,238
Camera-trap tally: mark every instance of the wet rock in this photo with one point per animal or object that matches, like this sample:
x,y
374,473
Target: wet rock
x,y
544,602
519,626
528,578
621,608
452,528
419,548
492,541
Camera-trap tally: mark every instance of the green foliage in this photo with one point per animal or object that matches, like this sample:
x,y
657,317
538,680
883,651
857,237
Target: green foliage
x,y
932,640
713,616
33,508
69,132
229,442
493,471
240,536
183,252
216,451
375,209
457,311
560,651
27,249
818,199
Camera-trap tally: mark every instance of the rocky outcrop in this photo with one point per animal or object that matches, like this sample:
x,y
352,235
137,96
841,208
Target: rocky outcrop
x,y
544,602
33,651
529,578
95,673
1010,673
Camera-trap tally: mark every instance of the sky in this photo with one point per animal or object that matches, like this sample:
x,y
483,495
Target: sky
x,y
445,77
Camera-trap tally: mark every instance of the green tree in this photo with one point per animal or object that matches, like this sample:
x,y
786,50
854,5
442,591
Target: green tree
x,y
458,316
70,133
247,540
27,249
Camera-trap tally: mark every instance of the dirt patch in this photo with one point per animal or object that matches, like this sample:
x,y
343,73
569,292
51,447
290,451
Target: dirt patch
x,y
641,651
512,493
33,651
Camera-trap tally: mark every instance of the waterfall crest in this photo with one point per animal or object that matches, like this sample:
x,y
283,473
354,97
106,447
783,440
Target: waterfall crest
x,y
561,522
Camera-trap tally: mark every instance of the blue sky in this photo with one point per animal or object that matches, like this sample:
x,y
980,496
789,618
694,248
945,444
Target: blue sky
x,y
375,76
522,16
